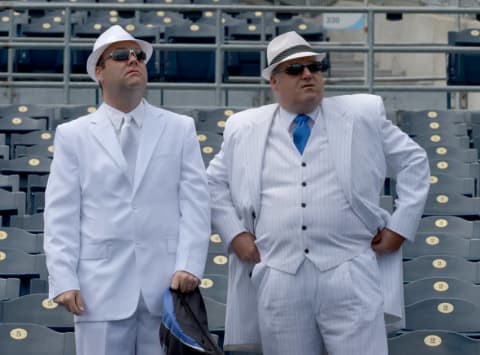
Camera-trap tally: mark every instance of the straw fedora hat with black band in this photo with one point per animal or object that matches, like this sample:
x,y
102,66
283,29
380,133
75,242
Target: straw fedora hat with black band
x,y
113,35
289,45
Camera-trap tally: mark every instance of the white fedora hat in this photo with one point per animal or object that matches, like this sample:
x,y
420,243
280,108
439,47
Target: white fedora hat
x,y
112,35
289,45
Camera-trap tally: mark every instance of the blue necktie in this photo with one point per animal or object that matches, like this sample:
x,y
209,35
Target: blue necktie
x,y
301,133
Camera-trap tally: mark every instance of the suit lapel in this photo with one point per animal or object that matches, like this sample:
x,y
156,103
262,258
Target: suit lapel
x,y
104,132
153,126
254,151
339,130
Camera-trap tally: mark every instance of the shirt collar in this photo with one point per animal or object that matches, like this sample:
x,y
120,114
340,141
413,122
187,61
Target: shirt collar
x,y
116,116
287,117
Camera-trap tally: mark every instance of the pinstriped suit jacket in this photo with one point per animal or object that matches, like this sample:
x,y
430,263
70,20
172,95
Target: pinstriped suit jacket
x,y
366,147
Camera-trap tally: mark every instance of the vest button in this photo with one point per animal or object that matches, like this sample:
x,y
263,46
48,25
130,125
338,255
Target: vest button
x,y
304,184
304,205
304,227
304,164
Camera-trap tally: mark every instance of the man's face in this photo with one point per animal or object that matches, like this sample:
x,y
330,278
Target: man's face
x,y
115,75
300,93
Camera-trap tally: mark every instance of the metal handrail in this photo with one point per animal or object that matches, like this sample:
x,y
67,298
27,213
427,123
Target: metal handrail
x,y
370,47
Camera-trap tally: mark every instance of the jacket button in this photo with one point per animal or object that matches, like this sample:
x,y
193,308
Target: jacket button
x,y
304,205
304,164
306,251
304,184
304,227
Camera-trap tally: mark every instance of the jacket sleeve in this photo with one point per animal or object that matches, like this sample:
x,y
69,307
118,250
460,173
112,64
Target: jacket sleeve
x,y
194,228
225,219
407,163
62,216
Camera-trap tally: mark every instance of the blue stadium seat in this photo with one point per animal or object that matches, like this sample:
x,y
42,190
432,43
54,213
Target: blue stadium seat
x,y
190,65
433,342
36,308
35,339
246,63
463,68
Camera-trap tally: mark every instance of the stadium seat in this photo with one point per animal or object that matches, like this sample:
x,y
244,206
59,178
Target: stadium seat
x,y
440,183
408,119
17,263
439,245
32,223
256,17
41,150
451,225
69,112
433,342
36,185
45,60
37,202
452,153
38,286
217,263
215,245
210,144
437,139
35,339
454,167
178,63
441,287
210,18
9,288
215,315
449,204
10,182
11,237
12,203
4,152
33,138
36,308
452,314
26,165
446,128
161,19
6,24
440,266
310,29
246,63
213,120
21,123
462,68
215,287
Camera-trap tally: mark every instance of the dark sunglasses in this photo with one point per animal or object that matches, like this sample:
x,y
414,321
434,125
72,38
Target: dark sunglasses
x,y
298,68
122,54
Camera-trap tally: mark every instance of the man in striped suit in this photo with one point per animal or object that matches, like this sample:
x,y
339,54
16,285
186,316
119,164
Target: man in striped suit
x,y
315,262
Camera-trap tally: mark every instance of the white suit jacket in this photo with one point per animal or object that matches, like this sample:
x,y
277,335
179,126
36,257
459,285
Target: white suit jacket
x,y
366,148
110,237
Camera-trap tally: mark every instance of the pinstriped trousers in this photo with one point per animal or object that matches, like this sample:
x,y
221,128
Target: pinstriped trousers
x,y
339,310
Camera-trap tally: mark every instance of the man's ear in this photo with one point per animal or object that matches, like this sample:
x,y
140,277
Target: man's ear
x,y
273,82
98,72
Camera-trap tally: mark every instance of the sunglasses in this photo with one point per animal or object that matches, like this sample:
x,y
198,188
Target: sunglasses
x,y
122,54
298,68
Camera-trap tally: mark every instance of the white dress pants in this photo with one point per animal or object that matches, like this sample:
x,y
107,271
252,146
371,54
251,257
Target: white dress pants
x,y
338,311
137,335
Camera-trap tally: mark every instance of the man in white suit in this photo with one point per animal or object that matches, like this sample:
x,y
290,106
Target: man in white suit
x,y
127,207
315,262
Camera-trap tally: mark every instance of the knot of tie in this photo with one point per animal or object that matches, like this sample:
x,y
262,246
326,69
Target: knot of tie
x,y
301,132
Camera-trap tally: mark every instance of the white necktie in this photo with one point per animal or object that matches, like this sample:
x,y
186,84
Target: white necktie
x,y
129,144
